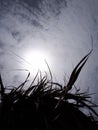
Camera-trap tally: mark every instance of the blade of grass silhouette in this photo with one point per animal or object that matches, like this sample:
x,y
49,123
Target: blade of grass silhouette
x,y
19,70
59,85
49,70
40,86
25,61
2,89
34,79
51,77
74,75
31,87
83,101
90,108
22,85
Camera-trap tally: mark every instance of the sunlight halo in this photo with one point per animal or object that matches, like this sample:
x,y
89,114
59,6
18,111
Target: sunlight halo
x,y
35,60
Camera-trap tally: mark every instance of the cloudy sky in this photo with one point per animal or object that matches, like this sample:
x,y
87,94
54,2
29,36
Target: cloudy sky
x,y
60,30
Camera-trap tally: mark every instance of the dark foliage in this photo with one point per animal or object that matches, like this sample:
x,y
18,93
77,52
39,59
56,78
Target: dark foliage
x,y
47,105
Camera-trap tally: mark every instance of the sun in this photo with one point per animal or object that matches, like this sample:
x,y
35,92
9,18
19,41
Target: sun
x,y
35,60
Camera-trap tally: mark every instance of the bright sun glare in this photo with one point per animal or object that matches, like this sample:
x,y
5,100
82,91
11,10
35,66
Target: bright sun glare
x,y
35,60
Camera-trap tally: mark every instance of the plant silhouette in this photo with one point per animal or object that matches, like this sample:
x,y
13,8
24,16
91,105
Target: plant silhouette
x,y
47,105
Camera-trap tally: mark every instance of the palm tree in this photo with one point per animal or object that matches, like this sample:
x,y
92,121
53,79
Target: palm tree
x,y
47,105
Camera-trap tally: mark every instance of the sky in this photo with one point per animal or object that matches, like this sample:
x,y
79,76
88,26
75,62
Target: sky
x,y
61,30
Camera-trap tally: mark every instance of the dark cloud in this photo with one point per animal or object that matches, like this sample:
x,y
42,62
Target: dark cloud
x,y
1,45
42,7
33,3
16,35
36,3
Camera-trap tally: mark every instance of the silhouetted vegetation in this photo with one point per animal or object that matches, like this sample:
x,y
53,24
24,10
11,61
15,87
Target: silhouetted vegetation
x,y
47,105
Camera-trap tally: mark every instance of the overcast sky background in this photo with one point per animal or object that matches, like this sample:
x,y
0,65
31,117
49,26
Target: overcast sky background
x,y
60,28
